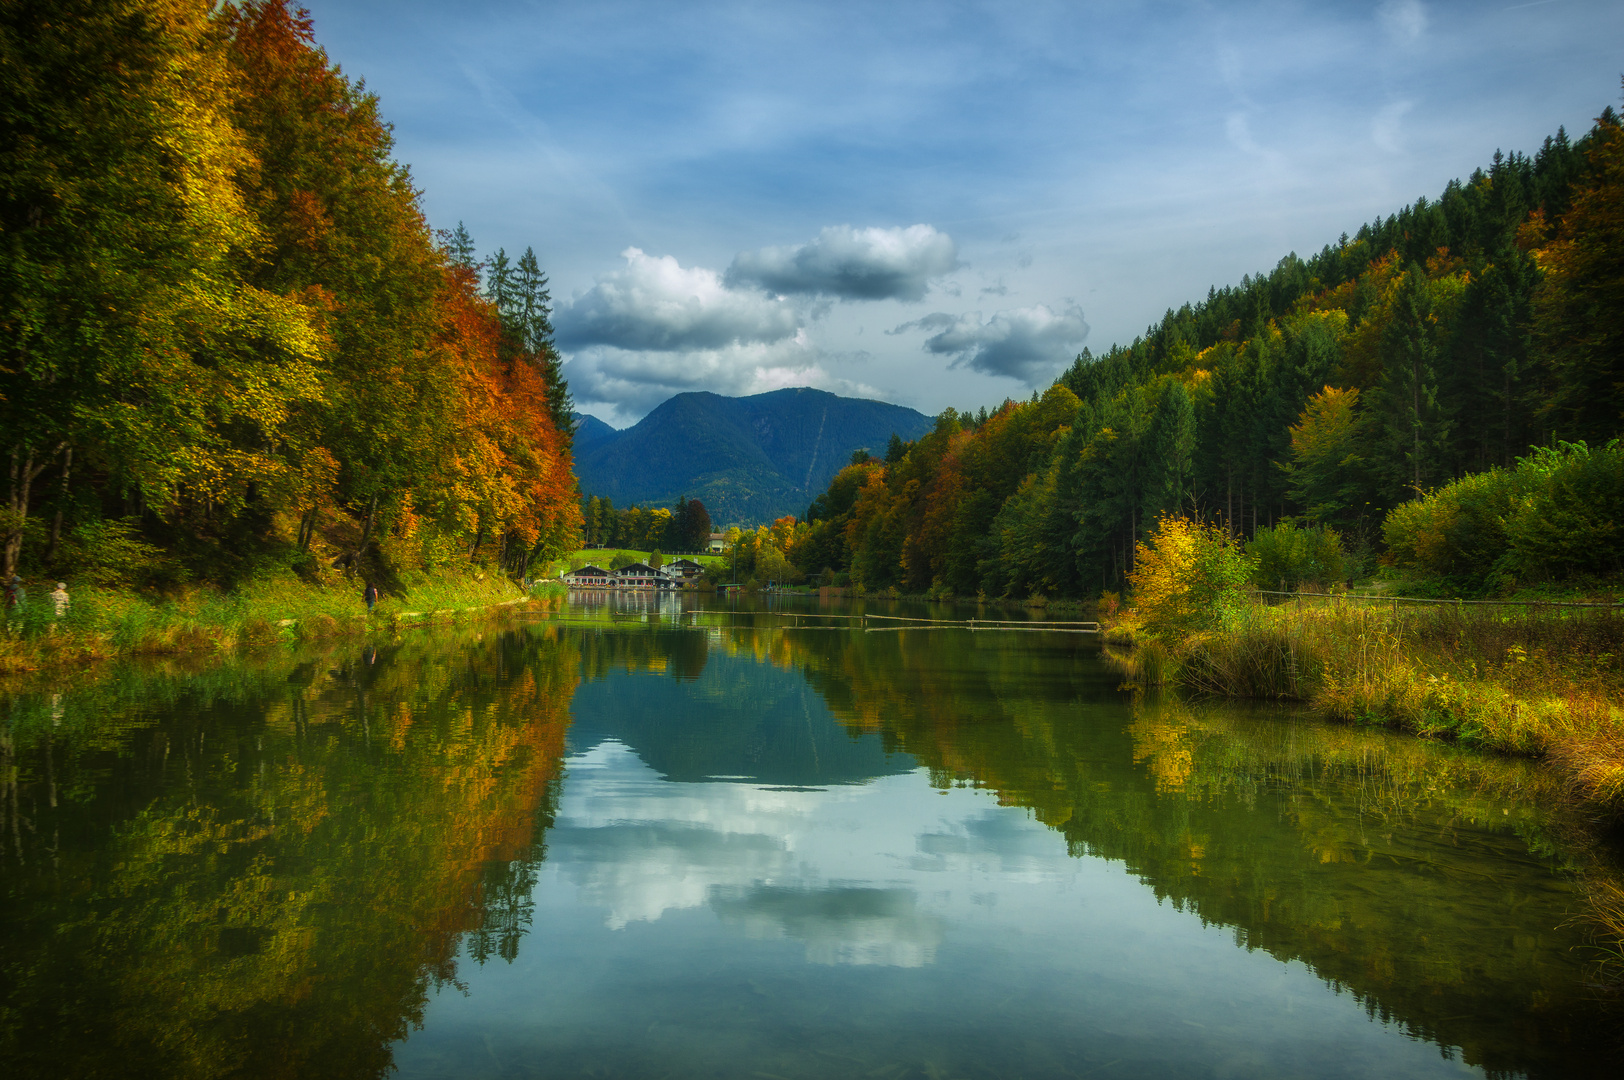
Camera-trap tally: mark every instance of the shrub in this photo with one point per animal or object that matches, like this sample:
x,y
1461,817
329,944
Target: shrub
x,y
1188,577
1457,531
1567,522
1553,517
111,553
1288,557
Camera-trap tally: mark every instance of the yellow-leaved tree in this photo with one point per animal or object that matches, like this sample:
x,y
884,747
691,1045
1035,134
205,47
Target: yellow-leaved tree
x,y
1188,577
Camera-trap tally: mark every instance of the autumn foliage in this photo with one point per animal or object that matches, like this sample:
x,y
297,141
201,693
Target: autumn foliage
x,y
227,322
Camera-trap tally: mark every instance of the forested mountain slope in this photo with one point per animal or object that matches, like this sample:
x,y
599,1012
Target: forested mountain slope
x,y
749,460
1443,340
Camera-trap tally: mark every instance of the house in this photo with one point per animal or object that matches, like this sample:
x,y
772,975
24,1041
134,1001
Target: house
x,y
588,577
717,542
684,569
641,576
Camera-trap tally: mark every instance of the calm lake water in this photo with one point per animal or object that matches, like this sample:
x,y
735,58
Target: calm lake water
x,y
640,842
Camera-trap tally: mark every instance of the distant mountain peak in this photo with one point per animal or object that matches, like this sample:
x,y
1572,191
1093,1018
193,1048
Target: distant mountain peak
x,y
748,459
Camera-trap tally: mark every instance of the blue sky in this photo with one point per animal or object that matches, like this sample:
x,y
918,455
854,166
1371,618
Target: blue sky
x,y
936,204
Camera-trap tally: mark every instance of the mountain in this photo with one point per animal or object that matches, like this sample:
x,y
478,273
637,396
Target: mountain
x,y
590,432
749,460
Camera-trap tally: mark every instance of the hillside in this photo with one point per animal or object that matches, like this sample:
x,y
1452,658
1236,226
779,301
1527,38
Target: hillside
x,y
749,460
1427,355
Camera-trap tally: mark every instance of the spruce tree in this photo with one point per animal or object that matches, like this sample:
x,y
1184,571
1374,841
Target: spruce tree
x,y
532,311
1417,429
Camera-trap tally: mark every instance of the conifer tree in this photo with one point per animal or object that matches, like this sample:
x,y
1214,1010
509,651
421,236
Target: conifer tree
x,y
1415,423
459,247
532,315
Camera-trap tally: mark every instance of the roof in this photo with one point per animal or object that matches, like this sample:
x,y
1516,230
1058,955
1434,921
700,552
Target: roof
x,y
639,568
588,569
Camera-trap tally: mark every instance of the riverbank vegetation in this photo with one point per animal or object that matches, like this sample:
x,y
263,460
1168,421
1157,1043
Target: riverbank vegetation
x,y
103,623
1429,408
1526,677
234,351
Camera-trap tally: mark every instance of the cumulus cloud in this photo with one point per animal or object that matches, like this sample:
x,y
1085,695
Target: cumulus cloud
x,y
1027,344
839,924
851,264
654,304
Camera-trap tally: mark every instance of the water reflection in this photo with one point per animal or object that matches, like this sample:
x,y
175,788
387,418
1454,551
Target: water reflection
x,y
261,869
621,844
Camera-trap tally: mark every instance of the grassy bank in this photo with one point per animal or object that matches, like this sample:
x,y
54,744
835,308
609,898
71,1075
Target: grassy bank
x,y
1538,680
103,624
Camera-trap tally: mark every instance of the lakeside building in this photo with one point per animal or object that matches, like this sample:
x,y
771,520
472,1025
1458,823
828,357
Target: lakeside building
x,y
587,577
684,570
718,541
641,576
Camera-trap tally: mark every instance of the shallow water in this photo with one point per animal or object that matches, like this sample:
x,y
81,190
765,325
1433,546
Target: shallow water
x,y
639,841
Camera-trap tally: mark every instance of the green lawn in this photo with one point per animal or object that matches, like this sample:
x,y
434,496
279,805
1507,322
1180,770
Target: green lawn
x,y
604,556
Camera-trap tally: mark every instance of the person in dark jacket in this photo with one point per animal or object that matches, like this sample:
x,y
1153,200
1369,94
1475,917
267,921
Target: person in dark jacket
x,y
370,594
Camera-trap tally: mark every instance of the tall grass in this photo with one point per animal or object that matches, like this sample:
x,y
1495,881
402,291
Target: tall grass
x,y
1538,680
102,623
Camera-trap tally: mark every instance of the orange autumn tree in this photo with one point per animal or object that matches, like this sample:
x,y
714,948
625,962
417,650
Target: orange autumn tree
x,y
436,416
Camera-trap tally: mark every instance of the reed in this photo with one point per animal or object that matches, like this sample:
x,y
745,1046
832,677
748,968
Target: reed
x,y
1542,681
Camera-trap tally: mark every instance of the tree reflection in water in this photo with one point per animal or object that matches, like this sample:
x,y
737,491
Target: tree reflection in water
x,y
261,869
264,867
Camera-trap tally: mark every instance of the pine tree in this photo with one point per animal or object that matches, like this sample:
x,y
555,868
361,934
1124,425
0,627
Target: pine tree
x,y
499,283
1417,429
532,317
459,246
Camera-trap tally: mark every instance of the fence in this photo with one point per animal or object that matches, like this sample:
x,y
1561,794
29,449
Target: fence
x,y
1396,600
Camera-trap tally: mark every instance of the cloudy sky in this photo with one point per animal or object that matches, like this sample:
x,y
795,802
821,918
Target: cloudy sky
x,y
936,204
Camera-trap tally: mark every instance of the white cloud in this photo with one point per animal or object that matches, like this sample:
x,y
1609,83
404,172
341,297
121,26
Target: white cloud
x,y
852,264
1027,344
1403,20
656,304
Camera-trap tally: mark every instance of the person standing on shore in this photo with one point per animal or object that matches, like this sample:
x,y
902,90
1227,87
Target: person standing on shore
x,y
370,595
15,593
59,597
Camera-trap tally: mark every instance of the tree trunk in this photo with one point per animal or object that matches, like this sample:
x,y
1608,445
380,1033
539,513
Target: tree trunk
x,y
366,531
56,520
23,473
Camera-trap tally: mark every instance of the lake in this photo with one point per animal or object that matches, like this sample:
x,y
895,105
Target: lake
x,y
635,839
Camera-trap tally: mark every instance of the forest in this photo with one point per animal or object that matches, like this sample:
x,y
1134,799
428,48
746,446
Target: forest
x,y
686,526
229,340
1390,400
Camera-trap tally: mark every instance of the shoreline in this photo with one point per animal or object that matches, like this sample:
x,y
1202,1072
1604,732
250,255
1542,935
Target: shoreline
x,y
104,626
1534,681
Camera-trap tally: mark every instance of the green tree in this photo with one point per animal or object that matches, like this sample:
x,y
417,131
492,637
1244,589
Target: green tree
x,y
1416,427
532,316
1581,303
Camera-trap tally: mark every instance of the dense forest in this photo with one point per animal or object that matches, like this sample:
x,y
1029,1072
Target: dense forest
x,y
229,339
1440,343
